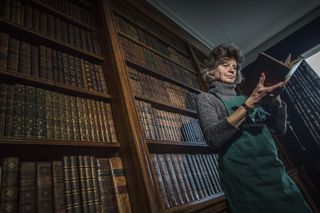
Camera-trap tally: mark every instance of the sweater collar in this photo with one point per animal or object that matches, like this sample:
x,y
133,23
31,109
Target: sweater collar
x,y
222,88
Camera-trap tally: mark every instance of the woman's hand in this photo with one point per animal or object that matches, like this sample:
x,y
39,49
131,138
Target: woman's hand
x,y
262,91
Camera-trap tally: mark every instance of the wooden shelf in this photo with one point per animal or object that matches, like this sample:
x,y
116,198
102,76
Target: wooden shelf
x,y
62,15
17,77
155,51
217,203
29,149
162,146
168,107
23,33
45,142
160,76
152,33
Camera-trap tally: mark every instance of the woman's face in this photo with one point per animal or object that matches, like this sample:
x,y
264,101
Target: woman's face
x,y
226,72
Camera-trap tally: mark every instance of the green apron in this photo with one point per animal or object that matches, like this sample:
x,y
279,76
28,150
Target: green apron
x,y
253,178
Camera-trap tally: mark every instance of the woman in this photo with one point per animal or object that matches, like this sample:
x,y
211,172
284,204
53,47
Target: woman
x,y
253,178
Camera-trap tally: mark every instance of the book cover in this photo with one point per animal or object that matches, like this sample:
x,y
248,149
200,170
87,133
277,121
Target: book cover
x,y
274,70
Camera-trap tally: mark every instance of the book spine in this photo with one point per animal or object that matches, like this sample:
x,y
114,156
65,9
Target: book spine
x,y
89,184
59,203
95,184
4,46
83,184
9,185
27,187
75,185
44,187
167,181
30,112
3,108
120,185
19,111
13,55
40,117
106,186
159,182
67,184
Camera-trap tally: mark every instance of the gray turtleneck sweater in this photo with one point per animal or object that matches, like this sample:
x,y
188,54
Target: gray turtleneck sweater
x,y
213,115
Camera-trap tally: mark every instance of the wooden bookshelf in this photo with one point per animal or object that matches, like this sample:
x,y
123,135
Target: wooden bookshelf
x,y
123,121
61,15
68,89
160,76
149,31
158,53
24,33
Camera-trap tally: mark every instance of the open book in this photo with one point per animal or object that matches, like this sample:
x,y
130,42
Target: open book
x,y
274,70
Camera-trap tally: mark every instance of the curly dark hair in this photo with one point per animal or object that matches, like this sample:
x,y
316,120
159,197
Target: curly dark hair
x,y
219,55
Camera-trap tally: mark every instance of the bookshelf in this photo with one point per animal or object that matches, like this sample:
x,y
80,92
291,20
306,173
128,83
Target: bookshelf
x,y
59,142
99,98
160,73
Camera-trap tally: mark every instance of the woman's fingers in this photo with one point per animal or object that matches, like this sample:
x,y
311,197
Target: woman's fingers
x,y
262,78
276,86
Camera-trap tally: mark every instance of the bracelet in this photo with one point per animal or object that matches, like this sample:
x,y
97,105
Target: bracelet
x,y
247,108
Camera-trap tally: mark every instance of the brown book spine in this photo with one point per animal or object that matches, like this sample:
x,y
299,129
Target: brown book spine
x,y
100,116
68,117
89,184
43,23
9,185
73,74
19,111
75,185
59,203
13,55
55,72
113,132
35,61
27,187
40,112
120,185
75,118
107,194
96,190
5,9
4,46
43,62
30,112
28,16
81,116
3,108
49,115
24,58
44,187
66,69
67,184
56,116
35,19
83,184
91,122
79,76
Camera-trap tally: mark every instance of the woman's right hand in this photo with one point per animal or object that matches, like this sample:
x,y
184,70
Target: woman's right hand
x,y
262,91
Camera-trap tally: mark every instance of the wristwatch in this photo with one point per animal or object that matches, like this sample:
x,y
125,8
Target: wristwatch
x,y
248,109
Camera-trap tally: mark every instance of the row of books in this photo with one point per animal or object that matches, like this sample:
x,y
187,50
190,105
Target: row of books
x,y
74,184
82,14
144,57
161,125
127,11
32,112
46,24
184,178
304,93
151,87
47,63
146,38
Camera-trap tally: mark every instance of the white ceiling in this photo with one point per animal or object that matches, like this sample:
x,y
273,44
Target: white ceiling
x,y
250,24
